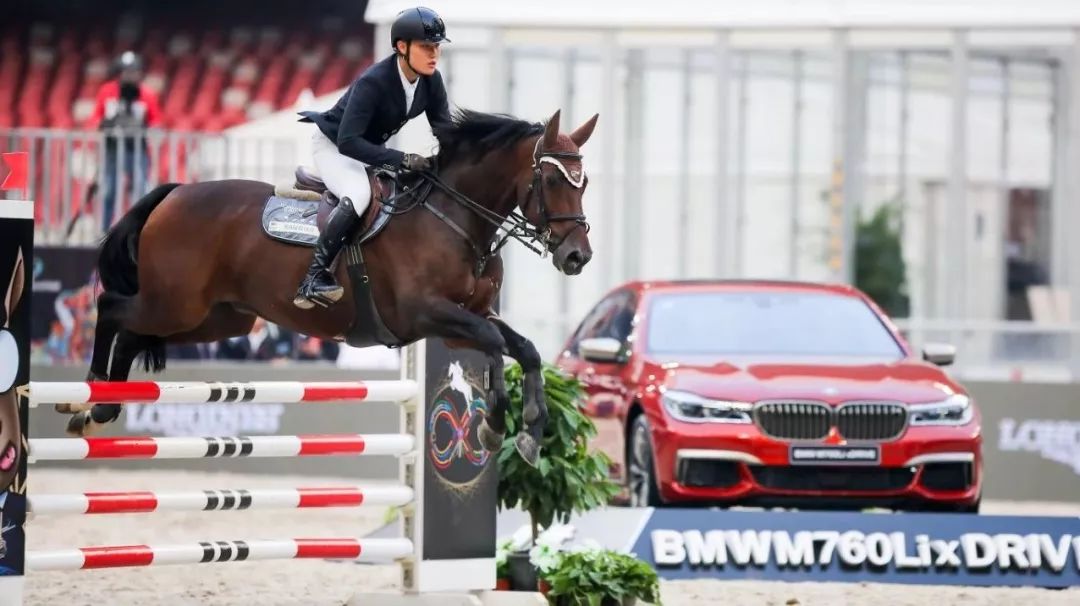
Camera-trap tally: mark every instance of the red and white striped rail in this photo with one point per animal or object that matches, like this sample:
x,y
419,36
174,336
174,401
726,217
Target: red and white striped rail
x,y
69,449
219,500
281,392
203,552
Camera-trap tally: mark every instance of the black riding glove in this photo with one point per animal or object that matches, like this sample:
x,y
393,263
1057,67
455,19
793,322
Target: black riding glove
x,y
415,162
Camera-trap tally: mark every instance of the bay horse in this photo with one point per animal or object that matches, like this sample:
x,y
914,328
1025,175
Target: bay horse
x,y
189,263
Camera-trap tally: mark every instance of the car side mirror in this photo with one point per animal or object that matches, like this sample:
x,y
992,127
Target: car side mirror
x,y
942,354
600,349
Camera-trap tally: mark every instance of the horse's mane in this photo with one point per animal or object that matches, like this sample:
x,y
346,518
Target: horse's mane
x,y
471,134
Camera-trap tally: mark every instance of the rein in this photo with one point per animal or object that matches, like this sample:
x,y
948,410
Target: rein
x,y
536,239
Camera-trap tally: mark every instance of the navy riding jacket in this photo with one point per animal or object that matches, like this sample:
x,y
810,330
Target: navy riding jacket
x,y
373,109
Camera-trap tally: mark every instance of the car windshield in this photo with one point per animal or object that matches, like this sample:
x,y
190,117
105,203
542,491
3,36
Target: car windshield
x,y
757,322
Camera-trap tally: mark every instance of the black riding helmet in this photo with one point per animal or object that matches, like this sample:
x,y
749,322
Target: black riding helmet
x,y
418,23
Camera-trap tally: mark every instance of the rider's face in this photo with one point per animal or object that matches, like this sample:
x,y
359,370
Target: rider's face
x,y
130,75
423,56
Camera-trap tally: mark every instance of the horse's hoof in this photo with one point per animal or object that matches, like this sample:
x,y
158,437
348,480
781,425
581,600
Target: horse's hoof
x,y
527,448
490,439
531,413
71,409
105,413
80,425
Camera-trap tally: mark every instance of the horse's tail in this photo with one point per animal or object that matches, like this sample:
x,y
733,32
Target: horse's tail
x,y
119,251
118,268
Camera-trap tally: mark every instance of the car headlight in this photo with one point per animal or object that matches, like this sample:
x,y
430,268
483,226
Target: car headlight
x,y
954,410
693,408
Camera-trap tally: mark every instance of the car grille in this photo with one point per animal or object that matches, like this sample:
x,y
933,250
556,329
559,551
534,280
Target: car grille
x,y
812,420
825,478
871,421
794,420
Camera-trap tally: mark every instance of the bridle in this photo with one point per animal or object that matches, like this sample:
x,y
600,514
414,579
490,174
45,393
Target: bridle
x,y
537,239
575,179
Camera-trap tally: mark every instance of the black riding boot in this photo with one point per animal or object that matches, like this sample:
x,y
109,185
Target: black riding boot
x,y
319,283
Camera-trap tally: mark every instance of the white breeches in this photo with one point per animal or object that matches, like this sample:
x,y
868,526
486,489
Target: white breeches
x,y
345,177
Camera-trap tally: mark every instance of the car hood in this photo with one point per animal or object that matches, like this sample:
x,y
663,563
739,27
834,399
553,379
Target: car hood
x,y
832,381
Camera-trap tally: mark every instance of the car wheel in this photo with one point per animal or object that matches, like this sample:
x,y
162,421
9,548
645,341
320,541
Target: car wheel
x,y
641,473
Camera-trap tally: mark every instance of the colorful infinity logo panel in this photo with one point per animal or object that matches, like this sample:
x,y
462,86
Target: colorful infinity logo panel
x,y
453,443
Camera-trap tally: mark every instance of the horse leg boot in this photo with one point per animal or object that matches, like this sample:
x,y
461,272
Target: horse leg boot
x,y
319,285
491,428
534,413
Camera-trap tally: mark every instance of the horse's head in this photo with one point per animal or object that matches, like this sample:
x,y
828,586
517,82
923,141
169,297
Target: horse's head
x,y
552,194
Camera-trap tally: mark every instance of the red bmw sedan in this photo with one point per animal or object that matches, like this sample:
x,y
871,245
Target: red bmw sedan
x,y
768,393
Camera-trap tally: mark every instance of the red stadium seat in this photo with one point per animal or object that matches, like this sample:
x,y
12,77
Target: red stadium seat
x,y
211,71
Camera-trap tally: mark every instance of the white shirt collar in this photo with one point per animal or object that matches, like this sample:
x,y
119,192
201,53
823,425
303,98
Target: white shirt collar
x,y
409,87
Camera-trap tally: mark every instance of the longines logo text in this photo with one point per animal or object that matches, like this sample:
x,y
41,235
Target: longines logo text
x,y
1054,440
204,419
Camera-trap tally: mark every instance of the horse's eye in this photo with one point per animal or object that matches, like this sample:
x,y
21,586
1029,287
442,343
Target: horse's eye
x,y
551,180
9,360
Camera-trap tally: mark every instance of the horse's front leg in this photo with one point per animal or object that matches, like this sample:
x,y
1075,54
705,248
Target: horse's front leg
x,y
534,403
447,320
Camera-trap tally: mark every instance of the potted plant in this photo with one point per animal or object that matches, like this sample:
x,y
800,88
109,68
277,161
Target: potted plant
x,y
568,478
601,577
546,554
502,565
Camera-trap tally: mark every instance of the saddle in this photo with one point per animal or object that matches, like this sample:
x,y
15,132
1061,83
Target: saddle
x,y
297,214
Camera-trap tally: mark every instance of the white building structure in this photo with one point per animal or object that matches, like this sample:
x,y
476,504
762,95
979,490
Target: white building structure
x,y
743,139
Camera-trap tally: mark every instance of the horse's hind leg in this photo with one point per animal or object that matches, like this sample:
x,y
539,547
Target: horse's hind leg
x,y
224,321
109,308
128,346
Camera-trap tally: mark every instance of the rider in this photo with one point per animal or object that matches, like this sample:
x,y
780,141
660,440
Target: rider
x,y
352,135
124,109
